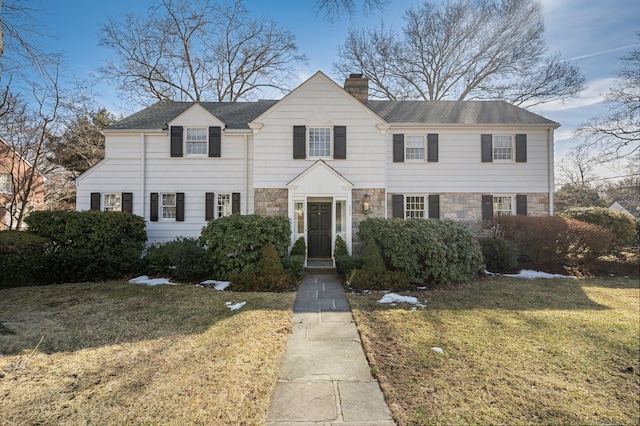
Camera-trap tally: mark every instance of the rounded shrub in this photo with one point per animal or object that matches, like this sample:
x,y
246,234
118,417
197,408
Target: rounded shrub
x,y
621,226
587,241
270,274
499,255
21,259
235,242
183,259
340,248
299,248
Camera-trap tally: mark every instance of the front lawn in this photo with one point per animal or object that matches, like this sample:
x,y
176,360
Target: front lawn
x,y
117,353
514,352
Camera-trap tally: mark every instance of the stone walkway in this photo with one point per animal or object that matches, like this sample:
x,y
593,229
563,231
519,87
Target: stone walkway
x,y
325,378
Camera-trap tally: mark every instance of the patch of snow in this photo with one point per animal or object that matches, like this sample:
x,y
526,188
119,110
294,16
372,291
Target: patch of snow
x,y
236,306
532,275
393,298
218,285
436,349
143,279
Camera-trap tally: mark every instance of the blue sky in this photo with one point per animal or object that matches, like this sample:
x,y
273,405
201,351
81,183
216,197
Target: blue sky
x,y
593,34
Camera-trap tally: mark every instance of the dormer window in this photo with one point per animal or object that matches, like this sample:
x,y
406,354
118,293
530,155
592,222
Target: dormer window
x,y
196,140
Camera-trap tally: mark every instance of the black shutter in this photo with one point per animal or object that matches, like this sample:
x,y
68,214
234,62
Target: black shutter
x,y
487,207
398,206
95,201
235,203
398,148
521,148
215,141
521,205
208,206
153,207
180,206
432,147
487,148
127,202
434,206
299,142
340,142
176,141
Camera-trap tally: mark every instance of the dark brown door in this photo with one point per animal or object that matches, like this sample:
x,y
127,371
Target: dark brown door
x,y
319,230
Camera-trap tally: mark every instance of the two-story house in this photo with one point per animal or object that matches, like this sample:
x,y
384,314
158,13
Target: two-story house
x,y
325,156
21,188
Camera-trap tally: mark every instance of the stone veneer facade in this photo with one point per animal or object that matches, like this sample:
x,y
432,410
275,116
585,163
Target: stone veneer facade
x,y
376,210
271,201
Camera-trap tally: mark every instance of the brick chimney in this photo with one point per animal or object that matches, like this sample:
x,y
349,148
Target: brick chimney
x,y
358,86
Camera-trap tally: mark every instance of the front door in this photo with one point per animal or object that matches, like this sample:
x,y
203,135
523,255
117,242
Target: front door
x,y
319,237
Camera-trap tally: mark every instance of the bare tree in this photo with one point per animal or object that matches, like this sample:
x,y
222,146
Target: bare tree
x,y
577,168
198,50
616,134
24,158
463,49
333,9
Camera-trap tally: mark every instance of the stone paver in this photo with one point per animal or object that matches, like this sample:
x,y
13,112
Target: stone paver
x,y
325,378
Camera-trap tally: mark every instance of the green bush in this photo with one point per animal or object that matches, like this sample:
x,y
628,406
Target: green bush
x,y
340,248
542,242
270,275
621,226
499,255
345,264
21,259
235,242
295,265
183,259
371,259
426,250
361,279
299,248
89,245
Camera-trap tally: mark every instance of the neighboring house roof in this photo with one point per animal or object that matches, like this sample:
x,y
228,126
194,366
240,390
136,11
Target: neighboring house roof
x,y
626,206
237,115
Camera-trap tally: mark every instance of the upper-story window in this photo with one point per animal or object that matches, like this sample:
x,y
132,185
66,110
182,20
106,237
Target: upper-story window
x,y
5,183
320,142
502,148
112,202
196,138
414,148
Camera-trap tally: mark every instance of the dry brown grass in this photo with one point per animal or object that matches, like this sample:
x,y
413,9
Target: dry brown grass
x,y
118,353
515,352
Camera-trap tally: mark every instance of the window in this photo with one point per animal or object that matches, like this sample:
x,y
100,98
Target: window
x,y
414,148
5,183
112,203
299,222
414,207
502,148
224,205
502,205
168,206
319,142
197,141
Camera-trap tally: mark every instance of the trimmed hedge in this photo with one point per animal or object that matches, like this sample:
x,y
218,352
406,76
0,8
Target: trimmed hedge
x,y
427,250
89,245
270,275
183,259
621,226
21,258
299,248
374,275
499,255
587,241
235,242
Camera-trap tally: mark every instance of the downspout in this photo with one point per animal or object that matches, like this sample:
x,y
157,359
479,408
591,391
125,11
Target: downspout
x,y
246,173
143,172
551,171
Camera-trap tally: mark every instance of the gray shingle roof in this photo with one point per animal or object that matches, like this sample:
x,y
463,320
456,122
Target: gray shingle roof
x,y
237,115
455,112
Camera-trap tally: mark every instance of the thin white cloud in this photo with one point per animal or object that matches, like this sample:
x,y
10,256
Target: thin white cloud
x,y
602,52
592,95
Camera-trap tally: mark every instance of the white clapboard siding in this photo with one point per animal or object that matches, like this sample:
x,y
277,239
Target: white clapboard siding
x,y
460,167
318,103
